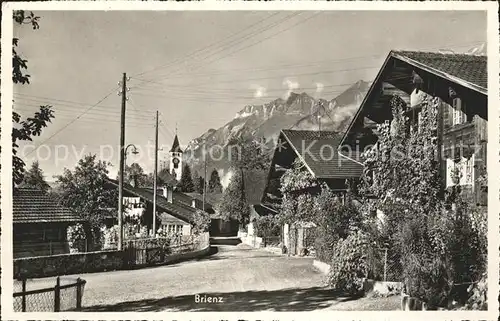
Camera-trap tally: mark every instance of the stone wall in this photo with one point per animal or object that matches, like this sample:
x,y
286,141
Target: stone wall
x,y
64,264
102,261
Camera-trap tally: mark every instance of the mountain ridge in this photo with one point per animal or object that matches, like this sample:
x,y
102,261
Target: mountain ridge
x,y
298,111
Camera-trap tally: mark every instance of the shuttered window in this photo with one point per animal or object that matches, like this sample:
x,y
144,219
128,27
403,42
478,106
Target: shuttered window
x,y
465,169
459,116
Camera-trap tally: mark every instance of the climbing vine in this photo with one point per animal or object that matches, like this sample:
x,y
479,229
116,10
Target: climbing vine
x,y
402,179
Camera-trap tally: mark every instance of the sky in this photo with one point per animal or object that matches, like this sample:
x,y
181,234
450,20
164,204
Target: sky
x,y
198,69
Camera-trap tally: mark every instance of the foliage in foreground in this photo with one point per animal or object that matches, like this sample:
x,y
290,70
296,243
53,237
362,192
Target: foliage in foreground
x,y
201,222
351,262
441,247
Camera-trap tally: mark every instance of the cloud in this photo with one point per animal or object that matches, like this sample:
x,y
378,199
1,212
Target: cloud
x,y
259,91
319,87
291,85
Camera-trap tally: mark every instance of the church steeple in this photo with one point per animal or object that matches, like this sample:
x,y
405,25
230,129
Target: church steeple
x,y
176,146
176,158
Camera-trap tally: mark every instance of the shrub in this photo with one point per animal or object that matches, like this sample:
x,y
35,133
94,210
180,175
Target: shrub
x,y
201,222
76,237
350,263
267,225
110,237
478,295
334,221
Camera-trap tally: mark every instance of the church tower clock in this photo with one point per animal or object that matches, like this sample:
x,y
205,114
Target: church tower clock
x,y
176,159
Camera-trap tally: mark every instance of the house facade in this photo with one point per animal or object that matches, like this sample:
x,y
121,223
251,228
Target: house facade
x,y
458,83
40,224
317,152
172,216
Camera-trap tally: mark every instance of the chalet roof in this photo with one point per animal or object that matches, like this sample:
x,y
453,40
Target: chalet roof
x,y
31,205
456,67
176,146
210,199
466,70
319,152
176,209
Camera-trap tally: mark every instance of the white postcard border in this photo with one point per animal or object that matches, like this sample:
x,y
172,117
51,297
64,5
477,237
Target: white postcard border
x,y
493,157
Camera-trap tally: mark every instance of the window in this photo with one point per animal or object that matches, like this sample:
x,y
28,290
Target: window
x,y
173,228
419,121
463,171
458,115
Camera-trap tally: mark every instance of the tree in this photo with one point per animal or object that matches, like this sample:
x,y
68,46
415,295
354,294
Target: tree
x,y
186,184
135,175
199,183
35,178
234,204
214,185
84,190
25,130
247,154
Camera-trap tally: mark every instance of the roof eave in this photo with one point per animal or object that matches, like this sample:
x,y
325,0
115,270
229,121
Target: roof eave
x,y
440,73
365,99
299,155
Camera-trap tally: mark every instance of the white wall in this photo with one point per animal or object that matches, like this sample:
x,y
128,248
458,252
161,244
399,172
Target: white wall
x,y
186,229
416,98
251,229
286,229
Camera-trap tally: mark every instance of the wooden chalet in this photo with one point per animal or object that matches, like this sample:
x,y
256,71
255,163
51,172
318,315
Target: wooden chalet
x,y
40,224
459,82
318,152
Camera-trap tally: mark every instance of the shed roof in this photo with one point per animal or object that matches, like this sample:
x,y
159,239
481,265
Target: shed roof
x,y
31,205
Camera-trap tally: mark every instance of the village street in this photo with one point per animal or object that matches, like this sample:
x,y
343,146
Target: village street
x,y
246,279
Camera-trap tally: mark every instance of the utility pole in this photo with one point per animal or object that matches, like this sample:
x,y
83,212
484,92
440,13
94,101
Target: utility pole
x,y
204,181
155,178
122,162
319,117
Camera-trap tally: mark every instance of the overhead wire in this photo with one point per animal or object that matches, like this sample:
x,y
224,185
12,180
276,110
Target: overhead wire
x,y
71,122
253,44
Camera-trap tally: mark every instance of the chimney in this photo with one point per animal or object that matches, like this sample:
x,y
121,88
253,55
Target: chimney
x,y
168,193
193,202
133,181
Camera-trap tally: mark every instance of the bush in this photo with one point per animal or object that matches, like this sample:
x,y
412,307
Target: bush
x,y
76,237
478,295
201,222
441,251
350,263
267,225
334,221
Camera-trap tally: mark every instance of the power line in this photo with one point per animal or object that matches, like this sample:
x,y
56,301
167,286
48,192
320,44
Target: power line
x,y
278,77
72,121
243,40
72,109
51,100
262,40
203,48
366,56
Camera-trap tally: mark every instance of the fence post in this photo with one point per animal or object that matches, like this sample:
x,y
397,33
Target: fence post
x,y
78,294
57,295
385,264
24,295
